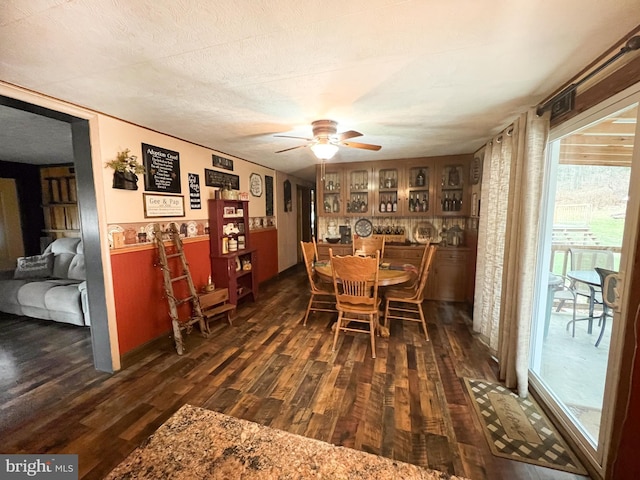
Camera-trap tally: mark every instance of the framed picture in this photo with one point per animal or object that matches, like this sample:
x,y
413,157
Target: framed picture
x,y
229,211
163,205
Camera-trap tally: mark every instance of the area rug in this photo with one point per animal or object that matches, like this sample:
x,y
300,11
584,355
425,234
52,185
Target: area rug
x,y
196,443
517,429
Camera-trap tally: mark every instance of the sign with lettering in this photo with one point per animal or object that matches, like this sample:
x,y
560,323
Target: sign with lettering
x,y
162,169
194,191
163,205
213,178
268,188
222,162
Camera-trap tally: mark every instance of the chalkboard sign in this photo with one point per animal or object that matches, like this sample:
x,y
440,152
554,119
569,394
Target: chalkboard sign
x,y
162,169
194,191
222,162
268,188
213,178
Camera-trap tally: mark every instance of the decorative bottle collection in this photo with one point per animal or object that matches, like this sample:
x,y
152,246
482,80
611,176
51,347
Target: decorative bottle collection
x,y
453,204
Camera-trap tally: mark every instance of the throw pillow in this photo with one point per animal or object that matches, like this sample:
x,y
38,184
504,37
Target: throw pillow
x,y
38,266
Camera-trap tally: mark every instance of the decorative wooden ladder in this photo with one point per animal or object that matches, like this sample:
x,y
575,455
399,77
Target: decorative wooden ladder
x,y
171,278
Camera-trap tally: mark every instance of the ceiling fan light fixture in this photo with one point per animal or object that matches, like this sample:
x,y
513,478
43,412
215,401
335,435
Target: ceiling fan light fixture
x,y
323,149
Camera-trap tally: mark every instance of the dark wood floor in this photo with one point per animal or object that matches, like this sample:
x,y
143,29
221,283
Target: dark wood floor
x,y
408,404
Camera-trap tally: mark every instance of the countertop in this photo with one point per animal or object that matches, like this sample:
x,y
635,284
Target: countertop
x,y
199,443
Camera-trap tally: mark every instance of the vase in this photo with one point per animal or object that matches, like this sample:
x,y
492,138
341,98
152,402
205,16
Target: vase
x,y
125,180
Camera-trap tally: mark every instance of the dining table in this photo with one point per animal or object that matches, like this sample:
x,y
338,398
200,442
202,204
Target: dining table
x,y
389,274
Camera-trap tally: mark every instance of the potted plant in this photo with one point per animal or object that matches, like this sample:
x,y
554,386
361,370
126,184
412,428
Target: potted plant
x,y
126,168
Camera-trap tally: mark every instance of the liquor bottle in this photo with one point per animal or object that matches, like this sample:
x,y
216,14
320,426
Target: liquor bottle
x,y
446,204
389,204
363,207
383,205
336,205
412,206
395,204
454,203
420,179
425,203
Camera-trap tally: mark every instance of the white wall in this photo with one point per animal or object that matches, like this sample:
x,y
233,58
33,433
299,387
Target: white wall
x,y
126,206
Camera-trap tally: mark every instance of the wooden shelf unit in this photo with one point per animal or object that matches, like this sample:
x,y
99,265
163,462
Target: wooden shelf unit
x,y
224,263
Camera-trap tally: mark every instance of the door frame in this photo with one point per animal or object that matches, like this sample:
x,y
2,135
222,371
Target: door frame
x,y
597,459
90,229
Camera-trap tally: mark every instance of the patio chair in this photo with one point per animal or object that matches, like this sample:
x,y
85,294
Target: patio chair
x,y
608,298
322,297
355,281
588,259
408,302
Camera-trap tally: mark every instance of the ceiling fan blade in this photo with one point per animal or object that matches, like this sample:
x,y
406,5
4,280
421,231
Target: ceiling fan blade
x,y
348,134
366,146
291,136
292,148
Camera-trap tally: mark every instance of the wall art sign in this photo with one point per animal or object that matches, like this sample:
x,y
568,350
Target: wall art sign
x,y
162,169
194,191
222,162
255,185
163,205
268,194
213,178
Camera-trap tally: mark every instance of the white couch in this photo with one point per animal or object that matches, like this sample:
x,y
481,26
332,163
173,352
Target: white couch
x,y
60,296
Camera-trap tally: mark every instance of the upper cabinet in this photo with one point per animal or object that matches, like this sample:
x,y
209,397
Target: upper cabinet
x,y
420,174
387,195
417,187
330,198
453,187
360,191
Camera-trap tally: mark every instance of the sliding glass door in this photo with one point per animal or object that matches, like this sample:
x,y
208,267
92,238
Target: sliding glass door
x,y
590,219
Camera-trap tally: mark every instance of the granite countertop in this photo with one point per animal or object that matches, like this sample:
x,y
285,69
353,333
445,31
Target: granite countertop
x,y
196,443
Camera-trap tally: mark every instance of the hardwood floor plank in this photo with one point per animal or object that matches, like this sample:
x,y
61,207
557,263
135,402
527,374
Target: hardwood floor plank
x,y
409,403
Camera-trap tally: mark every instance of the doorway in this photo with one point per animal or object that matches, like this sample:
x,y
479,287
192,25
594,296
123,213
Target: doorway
x,y
589,223
90,232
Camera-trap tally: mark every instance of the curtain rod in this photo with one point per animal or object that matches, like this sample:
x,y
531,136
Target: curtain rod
x,y
562,102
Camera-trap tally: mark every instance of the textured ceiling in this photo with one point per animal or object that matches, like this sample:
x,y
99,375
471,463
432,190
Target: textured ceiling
x,y
421,77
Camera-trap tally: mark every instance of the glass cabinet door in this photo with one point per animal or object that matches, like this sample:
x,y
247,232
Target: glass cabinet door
x,y
358,199
419,178
452,199
387,200
331,201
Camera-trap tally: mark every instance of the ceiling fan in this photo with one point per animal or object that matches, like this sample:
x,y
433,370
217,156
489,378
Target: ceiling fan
x,y
326,140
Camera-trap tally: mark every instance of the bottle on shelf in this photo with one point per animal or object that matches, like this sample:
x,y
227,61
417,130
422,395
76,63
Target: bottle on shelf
x,y
389,204
412,206
454,203
420,178
425,203
395,203
336,205
383,205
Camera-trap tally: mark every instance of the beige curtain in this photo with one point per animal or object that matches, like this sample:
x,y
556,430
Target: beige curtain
x,y
507,243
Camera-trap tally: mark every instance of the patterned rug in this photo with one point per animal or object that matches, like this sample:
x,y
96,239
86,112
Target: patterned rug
x,y
196,443
517,429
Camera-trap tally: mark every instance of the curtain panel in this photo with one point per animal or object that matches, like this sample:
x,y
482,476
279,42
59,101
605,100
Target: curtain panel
x,y
507,243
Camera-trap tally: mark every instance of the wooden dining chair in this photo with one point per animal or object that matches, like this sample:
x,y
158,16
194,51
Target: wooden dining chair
x,y
355,281
322,297
406,304
413,283
367,246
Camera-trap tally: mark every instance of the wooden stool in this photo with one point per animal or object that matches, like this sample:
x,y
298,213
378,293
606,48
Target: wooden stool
x,y
214,304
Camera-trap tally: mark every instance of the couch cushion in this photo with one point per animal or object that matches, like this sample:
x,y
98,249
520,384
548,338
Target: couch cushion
x,y
76,268
9,296
64,250
64,305
37,266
